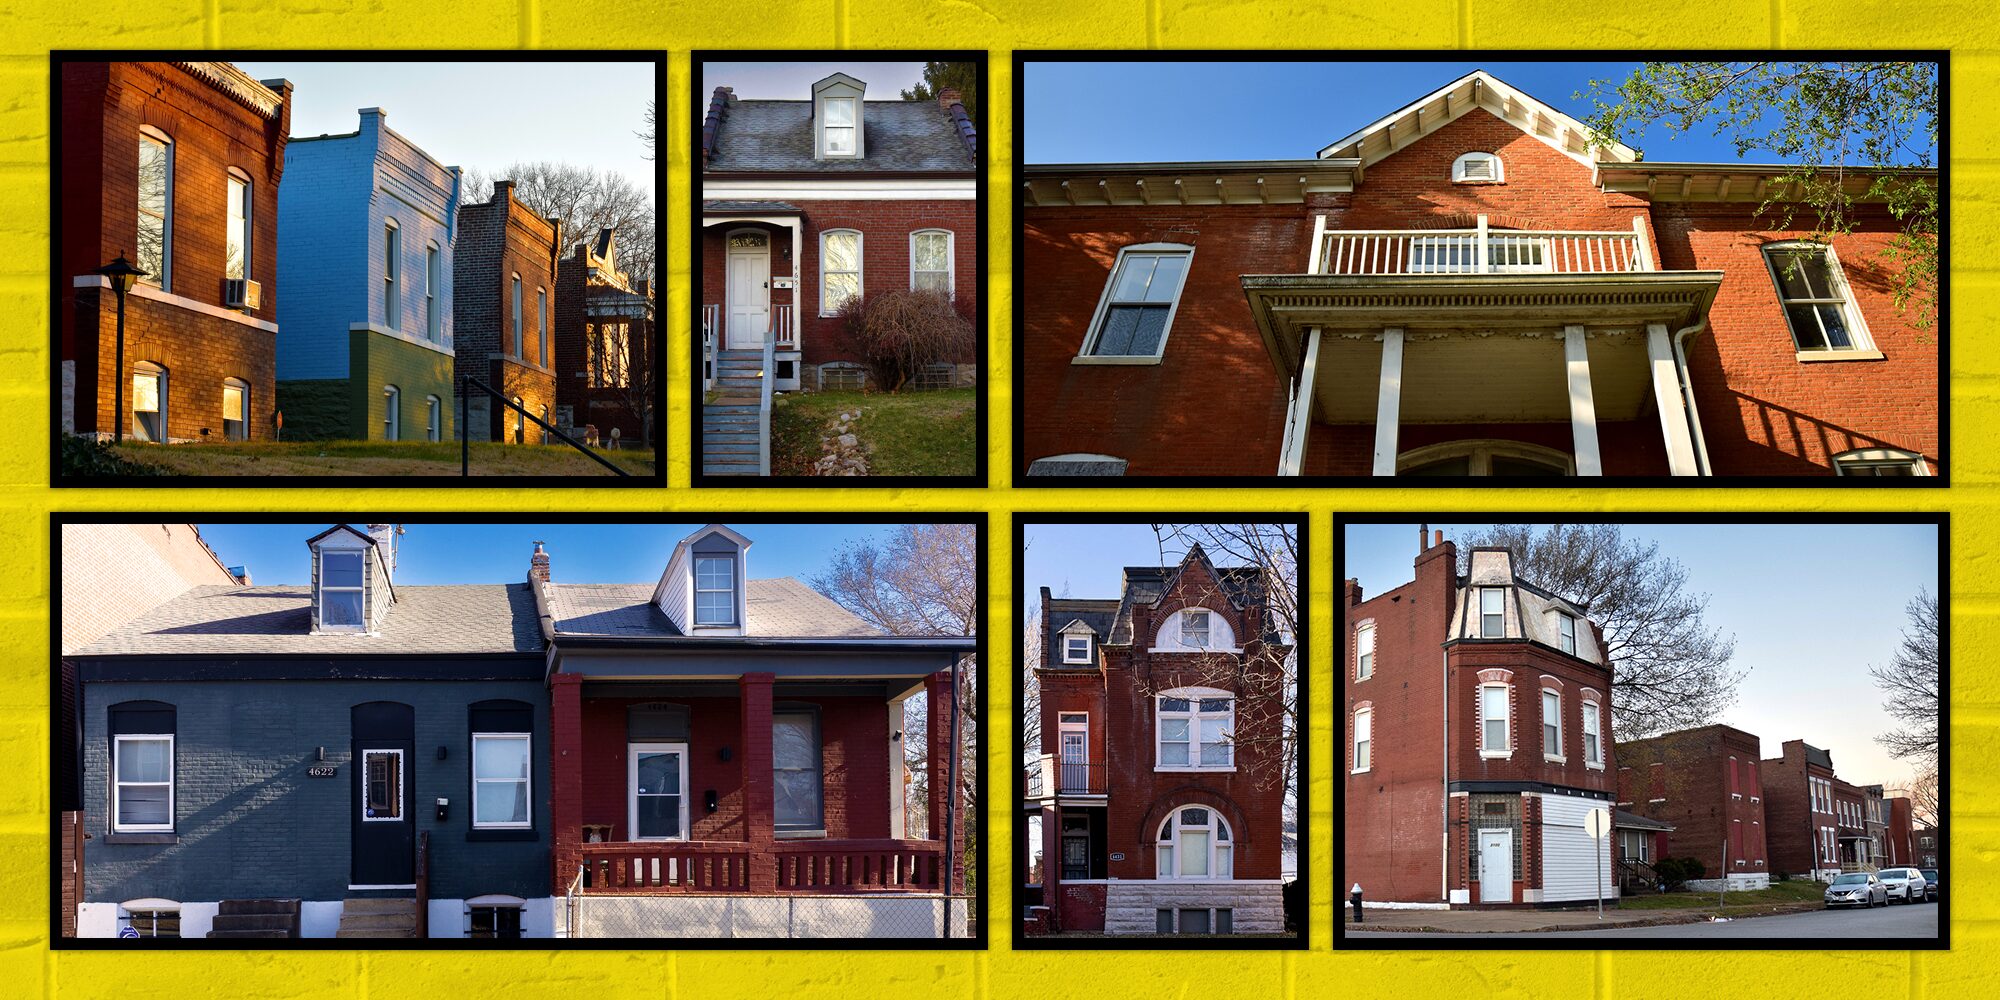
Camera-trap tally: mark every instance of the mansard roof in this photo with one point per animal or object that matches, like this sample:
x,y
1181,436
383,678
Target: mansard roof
x,y
776,137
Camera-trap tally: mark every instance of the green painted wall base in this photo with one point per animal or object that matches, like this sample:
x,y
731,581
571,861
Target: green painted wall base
x,y
375,361
315,410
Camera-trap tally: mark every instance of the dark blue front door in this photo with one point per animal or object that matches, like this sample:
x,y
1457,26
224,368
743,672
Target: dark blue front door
x,y
385,839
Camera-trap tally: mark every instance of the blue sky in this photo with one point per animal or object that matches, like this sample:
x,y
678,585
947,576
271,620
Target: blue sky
x,y
483,115
792,81
1119,112
499,553
1812,608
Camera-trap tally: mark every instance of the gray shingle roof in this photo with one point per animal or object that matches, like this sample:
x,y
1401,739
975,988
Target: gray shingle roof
x,y
749,207
1099,615
776,136
225,620
782,608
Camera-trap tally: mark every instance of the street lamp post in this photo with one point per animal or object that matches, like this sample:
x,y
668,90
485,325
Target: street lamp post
x,y
121,273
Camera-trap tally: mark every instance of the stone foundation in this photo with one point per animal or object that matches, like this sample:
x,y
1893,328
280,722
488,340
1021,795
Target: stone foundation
x,y
1256,907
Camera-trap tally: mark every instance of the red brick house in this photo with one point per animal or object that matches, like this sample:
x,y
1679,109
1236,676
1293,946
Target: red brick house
x,y
1478,738
1706,783
605,332
1902,843
503,313
729,760
808,204
1930,847
1804,827
1465,287
175,167
1157,791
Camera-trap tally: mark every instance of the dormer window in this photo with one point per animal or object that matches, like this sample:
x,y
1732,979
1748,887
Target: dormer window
x,y
714,591
1076,649
839,128
1566,629
1477,168
1194,629
1492,612
340,593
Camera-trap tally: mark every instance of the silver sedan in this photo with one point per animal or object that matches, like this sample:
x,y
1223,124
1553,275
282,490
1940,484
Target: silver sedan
x,y
1857,889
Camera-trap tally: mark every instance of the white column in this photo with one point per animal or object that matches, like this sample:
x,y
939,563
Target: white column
x,y
898,825
1667,394
1389,402
1582,406
1298,417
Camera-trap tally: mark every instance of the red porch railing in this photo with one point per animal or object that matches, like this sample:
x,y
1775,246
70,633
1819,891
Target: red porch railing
x,y
850,866
666,867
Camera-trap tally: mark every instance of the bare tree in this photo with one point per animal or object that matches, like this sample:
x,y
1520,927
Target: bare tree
x,y
646,134
1031,689
1670,669
586,201
1910,682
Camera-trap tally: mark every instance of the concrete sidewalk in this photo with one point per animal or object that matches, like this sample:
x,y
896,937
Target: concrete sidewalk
x,y
1506,921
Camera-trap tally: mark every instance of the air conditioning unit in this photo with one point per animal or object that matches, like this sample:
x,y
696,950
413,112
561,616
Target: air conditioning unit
x,y
241,293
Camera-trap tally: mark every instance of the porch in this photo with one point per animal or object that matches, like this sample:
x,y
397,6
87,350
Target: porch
x,y
750,290
1484,351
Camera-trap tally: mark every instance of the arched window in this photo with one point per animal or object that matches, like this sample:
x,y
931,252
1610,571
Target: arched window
x,y
1880,462
392,275
542,327
545,420
1195,630
433,418
392,415
1478,168
236,238
1195,843
839,269
1484,458
520,422
235,409
149,402
152,249
150,918
433,285
519,344
931,261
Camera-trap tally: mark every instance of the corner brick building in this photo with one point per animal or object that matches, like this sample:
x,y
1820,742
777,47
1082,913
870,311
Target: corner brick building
x,y
606,335
1477,714
176,166
1158,794
1803,828
1706,783
503,308
1464,287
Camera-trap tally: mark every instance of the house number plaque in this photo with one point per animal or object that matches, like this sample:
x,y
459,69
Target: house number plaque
x,y
321,771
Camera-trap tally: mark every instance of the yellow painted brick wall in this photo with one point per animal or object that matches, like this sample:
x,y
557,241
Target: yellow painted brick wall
x,y
28,28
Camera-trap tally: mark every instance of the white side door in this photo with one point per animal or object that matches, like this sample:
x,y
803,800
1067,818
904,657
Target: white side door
x,y
1496,866
749,289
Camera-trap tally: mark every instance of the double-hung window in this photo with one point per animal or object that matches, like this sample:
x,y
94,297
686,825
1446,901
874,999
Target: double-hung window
x,y
1364,652
714,590
1139,302
1815,298
501,779
149,402
236,238
1593,735
839,269
235,409
1493,720
433,277
152,250
433,418
930,261
1194,629
1195,731
1076,649
392,413
1566,632
1492,612
542,327
795,763
142,791
392,276
1552,725
519,344
839,127
340,595
1364,738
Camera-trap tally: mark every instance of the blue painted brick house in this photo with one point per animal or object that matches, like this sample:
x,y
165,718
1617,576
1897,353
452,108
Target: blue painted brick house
x,y
297,761
366,227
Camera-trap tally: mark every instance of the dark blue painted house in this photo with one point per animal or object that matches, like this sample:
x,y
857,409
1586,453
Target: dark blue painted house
x,y
354,758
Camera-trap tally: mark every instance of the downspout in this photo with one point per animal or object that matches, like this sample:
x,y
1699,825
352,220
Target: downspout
x,y
1687,393
951,797
1444,761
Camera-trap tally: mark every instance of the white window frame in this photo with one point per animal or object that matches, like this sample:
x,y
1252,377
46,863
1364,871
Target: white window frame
x,y
827,308
1552,705
527,782
542,327
1458,168
1221,847
158,373
1195,717
433,269
392,274
401,789
950,261
1070,653
1364,740
633,750
129,910
1506,719
239,228
1501,593
1874,458
853,128
1566,632
1593,734
117,785
1206,632
519,411
433,418
242,388
695,612
392,413
1105,303
519,344
1364,652
163,278
362,590
1862,343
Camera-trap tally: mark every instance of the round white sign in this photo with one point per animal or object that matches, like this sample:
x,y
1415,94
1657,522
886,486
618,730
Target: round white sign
x,y
1597,823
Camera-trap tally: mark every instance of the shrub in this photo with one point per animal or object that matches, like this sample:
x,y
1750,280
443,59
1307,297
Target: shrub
x,y
1676,873
85,459
902,333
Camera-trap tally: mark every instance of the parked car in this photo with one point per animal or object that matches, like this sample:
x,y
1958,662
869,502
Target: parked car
x,y
1932,887
1905,884
1856,889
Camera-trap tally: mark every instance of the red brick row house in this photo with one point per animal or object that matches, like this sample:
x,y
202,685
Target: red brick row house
x,y
1707,783
1464,287
1477,714
605,335
173,167
1158,792
503,308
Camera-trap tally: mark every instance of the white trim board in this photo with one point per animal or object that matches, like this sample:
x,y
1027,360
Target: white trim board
x,y
145,291
844,189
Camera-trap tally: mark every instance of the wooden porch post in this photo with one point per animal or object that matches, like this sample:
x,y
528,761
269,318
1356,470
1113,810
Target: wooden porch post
x,y
937,688
759,797
566,770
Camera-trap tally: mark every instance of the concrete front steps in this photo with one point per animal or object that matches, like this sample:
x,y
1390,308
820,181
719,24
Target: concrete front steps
x,y
377,918
730,445
256,918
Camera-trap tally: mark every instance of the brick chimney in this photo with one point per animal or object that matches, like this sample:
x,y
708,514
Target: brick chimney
x,y
385,543
538,567
948,97
1353,591
503,191
1437,571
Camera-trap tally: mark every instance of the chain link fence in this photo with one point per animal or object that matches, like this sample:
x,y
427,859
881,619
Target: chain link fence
x,y
802,916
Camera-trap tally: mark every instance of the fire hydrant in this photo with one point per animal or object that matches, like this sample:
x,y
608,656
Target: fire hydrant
x,y
1355,896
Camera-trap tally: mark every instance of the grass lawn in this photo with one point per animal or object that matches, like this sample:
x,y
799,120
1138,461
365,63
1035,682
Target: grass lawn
x,y
1779,894
380,459
905,434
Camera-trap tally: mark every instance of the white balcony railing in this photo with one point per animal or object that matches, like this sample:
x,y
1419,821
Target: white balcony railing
x,y
1483,251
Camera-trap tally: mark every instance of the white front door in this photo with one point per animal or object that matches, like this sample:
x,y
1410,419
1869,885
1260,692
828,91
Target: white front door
x,y
656,783
749,289
1496,866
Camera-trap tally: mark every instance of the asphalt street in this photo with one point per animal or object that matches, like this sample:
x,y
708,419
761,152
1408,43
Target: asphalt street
x,y
1914,920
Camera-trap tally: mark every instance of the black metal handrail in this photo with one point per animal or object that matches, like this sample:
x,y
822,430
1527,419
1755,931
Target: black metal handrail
x,y
465,432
